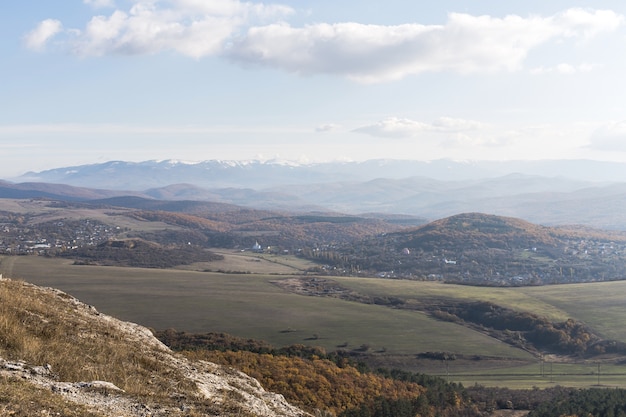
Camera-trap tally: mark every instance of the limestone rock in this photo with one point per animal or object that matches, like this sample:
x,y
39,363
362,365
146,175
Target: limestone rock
x,y
221,387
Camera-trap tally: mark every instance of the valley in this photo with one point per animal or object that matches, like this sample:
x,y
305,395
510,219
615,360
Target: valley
x,y
251,305
226,208
481,300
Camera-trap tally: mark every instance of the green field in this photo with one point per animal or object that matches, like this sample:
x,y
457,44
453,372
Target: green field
x,y
258,263
250,305
583,375
601,305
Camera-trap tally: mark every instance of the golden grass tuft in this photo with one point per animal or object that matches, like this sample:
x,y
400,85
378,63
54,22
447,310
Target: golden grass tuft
x,y
42,327
19,398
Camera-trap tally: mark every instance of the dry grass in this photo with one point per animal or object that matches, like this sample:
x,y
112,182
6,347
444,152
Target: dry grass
x,y
19,398
40,328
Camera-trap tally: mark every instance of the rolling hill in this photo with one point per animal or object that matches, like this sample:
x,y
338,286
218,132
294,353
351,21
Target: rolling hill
x,y
470,248
481,249
181,231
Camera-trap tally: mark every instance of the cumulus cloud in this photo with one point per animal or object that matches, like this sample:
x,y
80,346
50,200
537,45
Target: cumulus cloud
x,y
395,127
146,29
375,53
195,28
577,22
258,34
611,137
39,37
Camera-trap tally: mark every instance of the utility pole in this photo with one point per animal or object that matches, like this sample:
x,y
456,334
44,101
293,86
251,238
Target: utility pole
x,y
551,379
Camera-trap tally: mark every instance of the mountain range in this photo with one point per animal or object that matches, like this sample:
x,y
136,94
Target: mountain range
x,y
258,174
557,192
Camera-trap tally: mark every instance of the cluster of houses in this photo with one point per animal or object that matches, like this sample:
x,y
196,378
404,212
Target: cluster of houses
x,y
18,239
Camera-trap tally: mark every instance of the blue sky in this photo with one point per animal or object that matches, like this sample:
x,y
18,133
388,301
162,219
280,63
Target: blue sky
x,y
87,81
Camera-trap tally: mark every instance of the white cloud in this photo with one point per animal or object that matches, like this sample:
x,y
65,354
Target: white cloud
x,y
610,137
39,37
374,53
395,127
256,33
190,27
447,134
577,22
146,30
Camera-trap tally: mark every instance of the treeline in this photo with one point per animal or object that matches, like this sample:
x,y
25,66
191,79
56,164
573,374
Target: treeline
x,y
553,402
139,253
528,330
584,403
232,228
497,398
313,384
171,237
333,384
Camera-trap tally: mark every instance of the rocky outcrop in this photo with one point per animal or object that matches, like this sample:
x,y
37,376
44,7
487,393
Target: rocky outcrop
x,y
197,387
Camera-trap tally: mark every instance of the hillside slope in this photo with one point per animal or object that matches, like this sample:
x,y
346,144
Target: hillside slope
x,y
483,249
62,357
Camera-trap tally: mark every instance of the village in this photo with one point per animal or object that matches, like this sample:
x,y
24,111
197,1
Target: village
x,y
572,261
49,238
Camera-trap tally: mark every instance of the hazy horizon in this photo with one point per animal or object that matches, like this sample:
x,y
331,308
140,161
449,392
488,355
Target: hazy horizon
x,y
135,80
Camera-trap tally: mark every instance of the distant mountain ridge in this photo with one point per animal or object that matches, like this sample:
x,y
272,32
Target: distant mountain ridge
x,y
57,191
583,192
257,174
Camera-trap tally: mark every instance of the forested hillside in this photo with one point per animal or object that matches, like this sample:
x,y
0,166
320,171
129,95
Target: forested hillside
x,y
334,384
471,248
315,380
480,249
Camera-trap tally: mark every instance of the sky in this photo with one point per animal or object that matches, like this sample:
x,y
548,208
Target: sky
x,y
89,81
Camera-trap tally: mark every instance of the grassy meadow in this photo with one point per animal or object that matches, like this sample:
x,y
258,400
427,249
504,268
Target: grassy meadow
x,y
578,375
600,305
250,305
